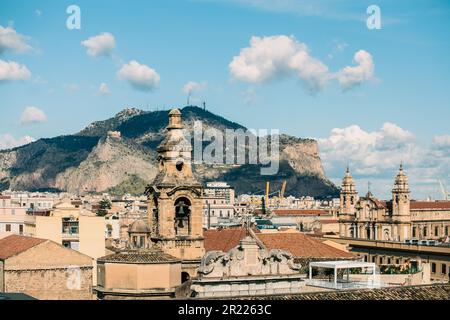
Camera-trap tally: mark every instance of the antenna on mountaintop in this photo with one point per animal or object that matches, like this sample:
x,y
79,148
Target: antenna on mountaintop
x,y
188,98
204,105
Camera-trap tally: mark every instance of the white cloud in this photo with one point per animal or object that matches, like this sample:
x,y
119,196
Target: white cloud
x,y
350,77
11,70
38,12
375,156
442,141
12,41
370,152
192,86
100,45
269,58
140,76
8,141
103,89
32,115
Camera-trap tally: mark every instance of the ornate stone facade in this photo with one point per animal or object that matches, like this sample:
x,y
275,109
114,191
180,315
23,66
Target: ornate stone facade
x,y
247,270
397,219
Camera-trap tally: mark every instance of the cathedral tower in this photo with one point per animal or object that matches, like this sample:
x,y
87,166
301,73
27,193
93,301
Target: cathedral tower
x,y
348,196
174,198
400,194
401,214
348,200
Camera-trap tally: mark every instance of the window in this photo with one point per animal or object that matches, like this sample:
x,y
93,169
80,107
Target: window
x,y
380,260
433,267
365,259
444,269
389,261
397,261
21,229
425,231
446,230
373,259
8,227
436,231
414,232
13,211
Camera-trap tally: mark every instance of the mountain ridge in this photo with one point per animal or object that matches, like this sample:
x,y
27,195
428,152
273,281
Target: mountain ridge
x,y
93,161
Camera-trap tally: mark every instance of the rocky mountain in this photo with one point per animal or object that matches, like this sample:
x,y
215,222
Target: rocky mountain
x,y
98,159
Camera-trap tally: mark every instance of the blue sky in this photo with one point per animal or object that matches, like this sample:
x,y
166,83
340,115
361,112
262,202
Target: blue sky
x,y
182,41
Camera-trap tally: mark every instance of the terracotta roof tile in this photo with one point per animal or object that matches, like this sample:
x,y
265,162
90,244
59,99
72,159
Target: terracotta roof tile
x,y
301,245
420,292
223,240
14,244
433,205
299,212
139,256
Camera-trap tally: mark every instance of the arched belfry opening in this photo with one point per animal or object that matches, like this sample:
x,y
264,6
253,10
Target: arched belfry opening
x,y
182,216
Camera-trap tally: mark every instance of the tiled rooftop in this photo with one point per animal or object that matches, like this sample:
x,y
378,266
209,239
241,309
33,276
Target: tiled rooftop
x,y
139,256
14,244
223,240
422,292
299,244
299,212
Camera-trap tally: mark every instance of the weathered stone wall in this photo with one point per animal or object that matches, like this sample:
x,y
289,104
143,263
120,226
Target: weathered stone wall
x,y
51,284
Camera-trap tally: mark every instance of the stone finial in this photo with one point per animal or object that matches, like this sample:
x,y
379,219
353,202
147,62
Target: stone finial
x,y
175,119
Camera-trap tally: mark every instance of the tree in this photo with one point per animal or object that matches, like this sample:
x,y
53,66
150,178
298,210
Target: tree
x,y
105,205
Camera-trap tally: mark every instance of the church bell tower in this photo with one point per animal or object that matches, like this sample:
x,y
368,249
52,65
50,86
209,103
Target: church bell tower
x,y
175,197
347,212
401,214
400,194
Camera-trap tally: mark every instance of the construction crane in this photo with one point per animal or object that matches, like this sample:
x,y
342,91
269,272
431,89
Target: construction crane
x,y
444,190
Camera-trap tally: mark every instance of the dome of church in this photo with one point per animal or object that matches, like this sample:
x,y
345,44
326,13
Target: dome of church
x,y
139,226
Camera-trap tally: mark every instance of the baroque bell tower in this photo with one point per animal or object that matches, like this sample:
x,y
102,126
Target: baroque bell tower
x,y
401,214
348,200
400,194
175,197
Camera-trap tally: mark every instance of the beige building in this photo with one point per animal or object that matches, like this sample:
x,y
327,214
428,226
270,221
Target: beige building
x,y
218,203
44,269
72,227
138,274
398,219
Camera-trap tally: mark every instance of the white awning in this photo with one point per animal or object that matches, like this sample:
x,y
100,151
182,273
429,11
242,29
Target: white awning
x,y
343,264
